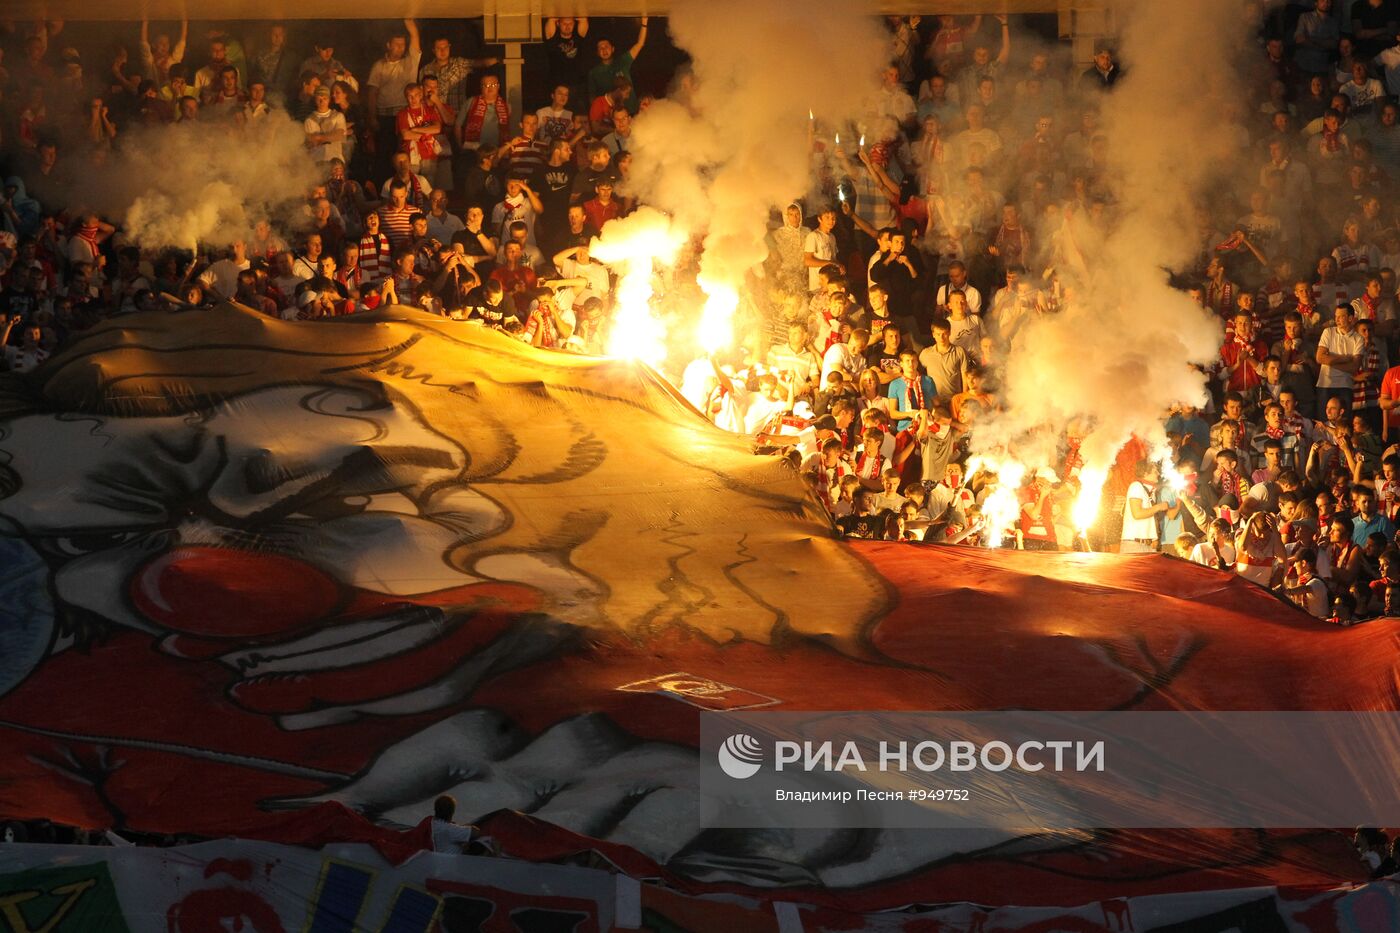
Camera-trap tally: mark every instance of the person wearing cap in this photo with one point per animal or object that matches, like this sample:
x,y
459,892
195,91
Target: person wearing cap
x,y
329,69
310,305
324,128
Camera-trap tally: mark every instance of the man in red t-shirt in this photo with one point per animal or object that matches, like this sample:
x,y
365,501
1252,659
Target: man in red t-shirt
x,y
515,275
602,208
1390,402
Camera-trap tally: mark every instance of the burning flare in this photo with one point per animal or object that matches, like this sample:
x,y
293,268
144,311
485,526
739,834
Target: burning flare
x,y
635,245
716,328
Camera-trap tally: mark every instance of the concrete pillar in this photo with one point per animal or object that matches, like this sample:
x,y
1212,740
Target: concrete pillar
x,y
1085,23
512,23
514,60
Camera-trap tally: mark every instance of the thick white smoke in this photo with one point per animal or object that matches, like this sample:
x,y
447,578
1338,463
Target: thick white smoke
x,y
1119,353
732,143
207,182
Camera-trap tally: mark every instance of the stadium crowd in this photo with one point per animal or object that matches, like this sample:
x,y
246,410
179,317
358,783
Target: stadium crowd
x,y
872,339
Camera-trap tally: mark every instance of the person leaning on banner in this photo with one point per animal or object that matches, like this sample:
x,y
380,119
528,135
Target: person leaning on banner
x,y
454,837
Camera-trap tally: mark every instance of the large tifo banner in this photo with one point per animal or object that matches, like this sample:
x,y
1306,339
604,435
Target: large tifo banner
x,y
253,887
253,568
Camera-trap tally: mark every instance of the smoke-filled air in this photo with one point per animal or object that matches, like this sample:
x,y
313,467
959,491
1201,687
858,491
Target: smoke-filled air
x,y
205,183
758,123
734,137
1117,353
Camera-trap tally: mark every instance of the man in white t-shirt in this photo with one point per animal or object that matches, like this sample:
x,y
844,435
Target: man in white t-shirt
x,y
1338,353
819,249
1140,512
386,82
1218,550
447,835
325,129
576,263
848,357
957,282
221,277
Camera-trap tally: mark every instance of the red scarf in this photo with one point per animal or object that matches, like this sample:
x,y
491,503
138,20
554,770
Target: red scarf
x,y
824,476
1371,305
1073,459
417,197
476,116
1366,387
877,462
1340,553
914,394
88,234
428,147
1221,297
549,338
1332,141
1229,485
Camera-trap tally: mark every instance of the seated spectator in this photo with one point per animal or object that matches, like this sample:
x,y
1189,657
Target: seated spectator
x,y
514,274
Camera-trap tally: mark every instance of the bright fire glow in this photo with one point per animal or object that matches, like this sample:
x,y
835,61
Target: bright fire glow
x,y
635,246
1002,507
1086,505
716,328
1170,474
637,332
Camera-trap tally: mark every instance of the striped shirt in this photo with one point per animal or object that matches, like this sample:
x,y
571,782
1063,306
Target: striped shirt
x,y
397,224
527,156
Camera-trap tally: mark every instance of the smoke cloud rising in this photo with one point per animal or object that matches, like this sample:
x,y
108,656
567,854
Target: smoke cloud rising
x,y
731,144
173,186
1117,354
